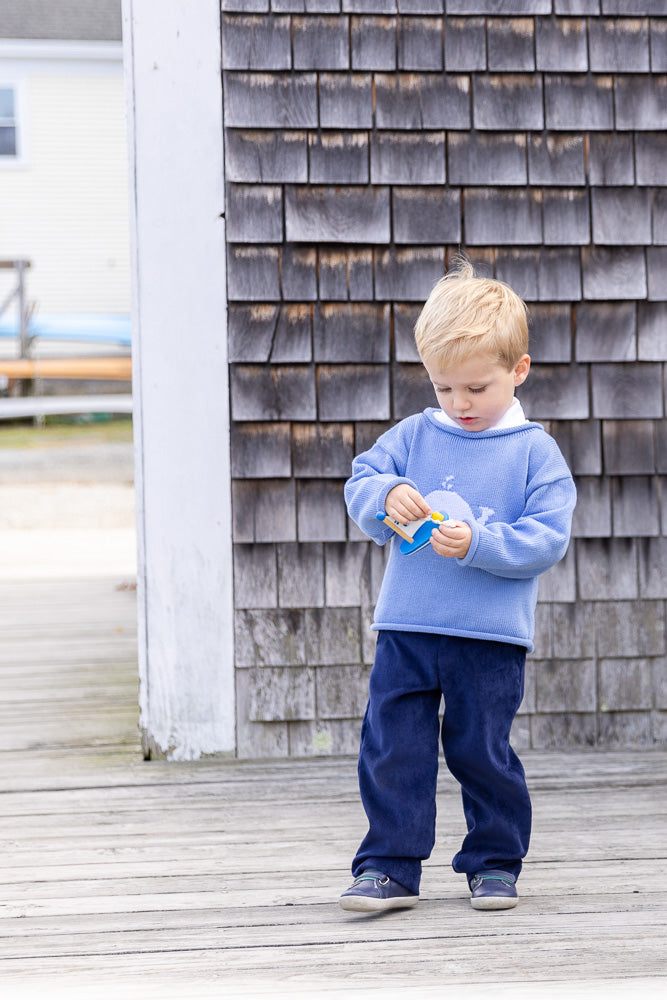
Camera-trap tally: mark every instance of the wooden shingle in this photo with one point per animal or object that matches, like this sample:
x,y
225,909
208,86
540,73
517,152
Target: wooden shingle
x,y
298,273
465,44
353,392
499,6
346,574
656,268
264,510
559,274
266,157
320,511
261,451
332,275
510,44
360,273
420,43
499,216
635,507
345,100
630,628
281,693
408,275
426,215
320,43
270,100
627,390
641,101
653,571
411,390
255,576
338,158
373,43
566,217
652,331
351,333
576,6
492,158
606,331
508,101
300,574
561,45
614,273
659,217
422,101
658,36
556,158
408,158
621,216
322,450
628,447
273,392
550,333
253,273
651,157
252,42
619,45
610,158
333,215
607,566
592,515
577,101
556,392
254,213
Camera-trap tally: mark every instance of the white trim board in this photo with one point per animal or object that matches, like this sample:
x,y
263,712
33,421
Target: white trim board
x,y
181,407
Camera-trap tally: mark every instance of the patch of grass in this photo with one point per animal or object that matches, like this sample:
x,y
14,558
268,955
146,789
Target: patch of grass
x,y
58,431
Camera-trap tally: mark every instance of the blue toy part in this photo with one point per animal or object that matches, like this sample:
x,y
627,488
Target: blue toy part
x,y
422,536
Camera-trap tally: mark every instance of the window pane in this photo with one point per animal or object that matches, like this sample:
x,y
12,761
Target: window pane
x,y
6,102
7,140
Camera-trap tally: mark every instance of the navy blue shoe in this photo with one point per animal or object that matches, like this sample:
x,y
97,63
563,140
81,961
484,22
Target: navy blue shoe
x,y
493,890
373,891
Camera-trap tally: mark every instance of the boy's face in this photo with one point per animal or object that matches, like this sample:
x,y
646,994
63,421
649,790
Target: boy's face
x,y
476,393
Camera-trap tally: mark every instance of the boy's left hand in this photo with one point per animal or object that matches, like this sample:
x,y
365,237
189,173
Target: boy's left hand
x,y
452,540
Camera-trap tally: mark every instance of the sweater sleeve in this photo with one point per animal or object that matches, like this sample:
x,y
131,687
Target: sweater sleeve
x,y
374,473
536,541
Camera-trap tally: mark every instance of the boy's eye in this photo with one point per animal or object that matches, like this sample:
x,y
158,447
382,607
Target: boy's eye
x,y
480,388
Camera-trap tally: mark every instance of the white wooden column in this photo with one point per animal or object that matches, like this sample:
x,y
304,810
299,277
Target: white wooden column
x,y
181,410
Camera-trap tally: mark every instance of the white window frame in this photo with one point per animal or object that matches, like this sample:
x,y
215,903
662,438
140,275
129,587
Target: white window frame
x,y
20,158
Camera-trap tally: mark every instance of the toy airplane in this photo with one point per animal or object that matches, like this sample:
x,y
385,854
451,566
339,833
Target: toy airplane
x,y
417,534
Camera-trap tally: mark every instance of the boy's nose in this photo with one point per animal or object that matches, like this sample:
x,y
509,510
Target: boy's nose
x,y
461,402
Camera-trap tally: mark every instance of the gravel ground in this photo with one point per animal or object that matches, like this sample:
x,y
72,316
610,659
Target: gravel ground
x,y
67,511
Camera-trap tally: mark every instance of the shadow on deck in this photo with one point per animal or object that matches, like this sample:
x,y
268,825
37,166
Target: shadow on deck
x,y
122,878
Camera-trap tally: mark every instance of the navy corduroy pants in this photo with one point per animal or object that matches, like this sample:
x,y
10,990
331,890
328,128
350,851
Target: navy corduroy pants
x,y
482,683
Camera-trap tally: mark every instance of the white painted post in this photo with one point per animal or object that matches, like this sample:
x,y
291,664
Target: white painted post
x,y
174,97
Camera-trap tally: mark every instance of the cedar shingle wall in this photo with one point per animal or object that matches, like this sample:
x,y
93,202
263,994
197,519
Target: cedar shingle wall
x,y
366,140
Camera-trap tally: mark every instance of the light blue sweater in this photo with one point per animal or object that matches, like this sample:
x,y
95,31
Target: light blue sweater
x,y
512,487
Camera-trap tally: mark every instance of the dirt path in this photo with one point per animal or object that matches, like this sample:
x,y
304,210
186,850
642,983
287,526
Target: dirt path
x,y
67,511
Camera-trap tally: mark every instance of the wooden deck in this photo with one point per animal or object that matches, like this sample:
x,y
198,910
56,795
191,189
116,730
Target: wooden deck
x,y
121,878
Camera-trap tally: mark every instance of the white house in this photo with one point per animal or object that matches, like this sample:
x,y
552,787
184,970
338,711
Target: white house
x,y
63,167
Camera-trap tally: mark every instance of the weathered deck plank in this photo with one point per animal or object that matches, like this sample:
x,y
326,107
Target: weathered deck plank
x,y
120,878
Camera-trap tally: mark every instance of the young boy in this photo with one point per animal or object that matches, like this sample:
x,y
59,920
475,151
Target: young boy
x,y
456,618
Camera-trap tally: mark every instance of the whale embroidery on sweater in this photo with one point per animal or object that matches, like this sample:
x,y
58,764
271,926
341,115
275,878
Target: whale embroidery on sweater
x,y
457,508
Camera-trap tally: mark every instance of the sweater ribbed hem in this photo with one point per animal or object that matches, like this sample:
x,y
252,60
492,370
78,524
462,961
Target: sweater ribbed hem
x,y
514,640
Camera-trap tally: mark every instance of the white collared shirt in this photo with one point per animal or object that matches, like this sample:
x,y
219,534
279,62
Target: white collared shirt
x,y
513,417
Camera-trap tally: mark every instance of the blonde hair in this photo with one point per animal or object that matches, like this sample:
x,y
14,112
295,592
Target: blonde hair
x,y
468,315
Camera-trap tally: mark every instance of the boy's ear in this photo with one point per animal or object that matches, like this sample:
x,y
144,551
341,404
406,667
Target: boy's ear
x,y
521,369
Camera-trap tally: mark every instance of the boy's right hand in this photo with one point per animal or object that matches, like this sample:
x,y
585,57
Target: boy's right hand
x,y
405,504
